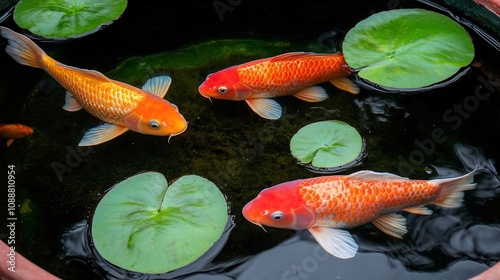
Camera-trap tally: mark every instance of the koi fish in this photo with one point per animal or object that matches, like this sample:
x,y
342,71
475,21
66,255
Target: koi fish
x,y
293,73
14,131
121,106
327,205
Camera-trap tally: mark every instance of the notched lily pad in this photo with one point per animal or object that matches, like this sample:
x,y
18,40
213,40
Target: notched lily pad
x,y
327,145
407,48
66,18
143,225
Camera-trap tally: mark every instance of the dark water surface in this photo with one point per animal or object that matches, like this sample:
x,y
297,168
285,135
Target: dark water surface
x,y
440,133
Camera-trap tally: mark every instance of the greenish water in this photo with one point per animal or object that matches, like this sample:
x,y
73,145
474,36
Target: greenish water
x,y
437,133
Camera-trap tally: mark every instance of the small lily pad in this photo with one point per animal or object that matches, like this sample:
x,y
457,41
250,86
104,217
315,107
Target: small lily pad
x,y
66,18
407,48
143,225
326,144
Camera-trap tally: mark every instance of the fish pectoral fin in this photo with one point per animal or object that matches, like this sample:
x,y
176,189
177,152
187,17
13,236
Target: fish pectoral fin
x,y
158,85
266,108
366,175
345,84
336,242
70,103
419,210
312,94
9,142
392,224
101,134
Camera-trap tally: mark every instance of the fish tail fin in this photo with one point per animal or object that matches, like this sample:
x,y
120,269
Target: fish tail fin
x,y
452,189
22,49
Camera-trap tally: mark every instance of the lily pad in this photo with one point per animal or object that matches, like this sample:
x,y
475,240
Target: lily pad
x,y
143,225
407,48
66,18
326,144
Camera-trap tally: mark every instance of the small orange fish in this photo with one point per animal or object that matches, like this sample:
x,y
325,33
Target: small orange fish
x,y
120,105
293,73
14,131
324,205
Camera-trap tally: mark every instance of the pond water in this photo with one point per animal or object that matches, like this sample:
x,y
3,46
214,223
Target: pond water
x,y
439,133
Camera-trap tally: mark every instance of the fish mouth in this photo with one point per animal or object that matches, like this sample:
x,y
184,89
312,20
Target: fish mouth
x,y
200,90
255,222
210,99
177,133
206,96
258,224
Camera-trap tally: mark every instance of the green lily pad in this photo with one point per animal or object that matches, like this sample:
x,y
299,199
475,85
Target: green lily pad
x,y
66,18
407,48
326,144
144,225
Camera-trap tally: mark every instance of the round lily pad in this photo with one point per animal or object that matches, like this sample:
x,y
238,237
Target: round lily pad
x,y
143,225
326,144
407,48
66,18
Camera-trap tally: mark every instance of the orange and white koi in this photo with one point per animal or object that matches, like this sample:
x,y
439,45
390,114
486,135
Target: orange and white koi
x,y
326,205
293,73
14,131
120,105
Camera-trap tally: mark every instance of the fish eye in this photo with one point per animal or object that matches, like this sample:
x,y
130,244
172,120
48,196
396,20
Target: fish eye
x,y
222,90
277,215
154,124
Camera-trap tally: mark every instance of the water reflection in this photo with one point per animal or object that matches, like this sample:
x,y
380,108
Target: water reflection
x,y
78,246
449,244
487,178
301,258
381,108
376,87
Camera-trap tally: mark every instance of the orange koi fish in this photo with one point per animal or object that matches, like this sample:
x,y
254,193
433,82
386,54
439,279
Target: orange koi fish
x,y
120,105
293,73
324,205
14,131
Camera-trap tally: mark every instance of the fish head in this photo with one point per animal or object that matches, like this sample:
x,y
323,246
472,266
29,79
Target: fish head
x,y
23,130
225,84
156,116
280,206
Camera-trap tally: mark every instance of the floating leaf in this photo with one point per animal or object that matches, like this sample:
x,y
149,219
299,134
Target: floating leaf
x,y
407,48
143,225
66,18
326,144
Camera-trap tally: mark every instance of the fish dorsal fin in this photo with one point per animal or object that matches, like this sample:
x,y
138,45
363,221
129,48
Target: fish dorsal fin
x,y
101,134
266,108
336,242
312,94
392,224
366,175
158,85
70,103
345,84
419,210
291,56
90,73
